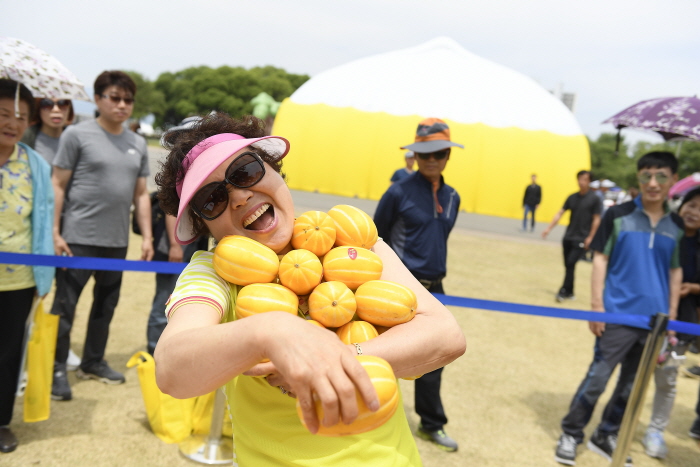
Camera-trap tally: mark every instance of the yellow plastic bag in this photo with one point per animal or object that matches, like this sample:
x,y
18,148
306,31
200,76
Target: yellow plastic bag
x,y
41,350
202,415
170,418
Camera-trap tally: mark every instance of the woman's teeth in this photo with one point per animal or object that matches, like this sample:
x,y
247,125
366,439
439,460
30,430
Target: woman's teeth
x,y
256,214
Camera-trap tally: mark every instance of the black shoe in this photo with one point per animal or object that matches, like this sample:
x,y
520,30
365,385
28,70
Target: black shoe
x,y
60,389
605,444
101,372
439,438
566,450
695,429
694,348
8,440
561,296
692,372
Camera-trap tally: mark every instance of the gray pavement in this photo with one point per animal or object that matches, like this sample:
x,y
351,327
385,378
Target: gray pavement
x,y
469,223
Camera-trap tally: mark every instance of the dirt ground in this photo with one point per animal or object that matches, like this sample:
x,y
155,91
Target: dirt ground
x,y
504,398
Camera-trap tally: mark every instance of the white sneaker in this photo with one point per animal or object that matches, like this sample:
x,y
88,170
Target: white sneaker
x,y
73,361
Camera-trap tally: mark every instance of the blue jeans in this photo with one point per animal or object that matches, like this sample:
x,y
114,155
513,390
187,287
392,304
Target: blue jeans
x,y
165,284
529,210
618,345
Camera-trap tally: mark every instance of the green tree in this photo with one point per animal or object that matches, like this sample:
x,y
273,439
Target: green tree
x,y
622,169
606,163
199,90
148,100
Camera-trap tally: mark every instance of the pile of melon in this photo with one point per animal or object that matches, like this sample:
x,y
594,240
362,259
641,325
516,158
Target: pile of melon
x,y
332,279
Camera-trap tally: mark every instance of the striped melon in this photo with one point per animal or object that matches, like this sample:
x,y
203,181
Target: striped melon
x,y
242,261
353,227
300,271
351,266
385,384
332,304
314,231
315,323
385,303
356,332
263,298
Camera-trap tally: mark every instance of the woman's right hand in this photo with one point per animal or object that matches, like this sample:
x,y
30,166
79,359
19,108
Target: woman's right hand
x,y
316,365
60,246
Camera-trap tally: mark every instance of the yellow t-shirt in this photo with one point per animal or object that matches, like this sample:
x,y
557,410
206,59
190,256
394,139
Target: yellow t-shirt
x,y
16,199
266,428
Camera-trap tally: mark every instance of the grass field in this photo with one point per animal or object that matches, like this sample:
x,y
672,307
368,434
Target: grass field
x,y
504,398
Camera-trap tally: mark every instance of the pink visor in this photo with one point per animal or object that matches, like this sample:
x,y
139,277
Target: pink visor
x,y
206,157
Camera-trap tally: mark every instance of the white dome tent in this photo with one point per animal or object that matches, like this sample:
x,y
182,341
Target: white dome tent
x,y
346,126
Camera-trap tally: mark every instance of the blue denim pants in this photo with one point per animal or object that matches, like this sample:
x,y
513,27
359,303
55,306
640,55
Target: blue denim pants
x,y
621,345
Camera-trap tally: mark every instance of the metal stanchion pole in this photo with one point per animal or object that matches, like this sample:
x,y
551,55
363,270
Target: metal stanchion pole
x,y
212,448
647,365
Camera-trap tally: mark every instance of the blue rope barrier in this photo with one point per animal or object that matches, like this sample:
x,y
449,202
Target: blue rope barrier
x,y
165,267
96,264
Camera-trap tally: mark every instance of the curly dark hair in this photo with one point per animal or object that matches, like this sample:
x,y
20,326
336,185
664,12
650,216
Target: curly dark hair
x,y
180,142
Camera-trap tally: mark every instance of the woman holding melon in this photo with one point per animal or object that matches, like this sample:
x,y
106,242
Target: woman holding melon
x,y
223,177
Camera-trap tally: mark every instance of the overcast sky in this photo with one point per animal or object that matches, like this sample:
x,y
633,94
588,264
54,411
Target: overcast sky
x,y
610,53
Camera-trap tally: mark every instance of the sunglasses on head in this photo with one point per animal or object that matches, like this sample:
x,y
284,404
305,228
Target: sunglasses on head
x,y
437,155
645,177
117,99
211,200
62,104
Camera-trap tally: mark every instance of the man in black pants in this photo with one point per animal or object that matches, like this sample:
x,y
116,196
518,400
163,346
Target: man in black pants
x,y
532,199
585,209
415,216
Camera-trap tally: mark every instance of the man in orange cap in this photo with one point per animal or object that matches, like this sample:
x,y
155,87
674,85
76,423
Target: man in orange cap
x,y
415,216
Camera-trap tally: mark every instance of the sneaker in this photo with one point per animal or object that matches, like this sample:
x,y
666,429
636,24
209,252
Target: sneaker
x,y
692,372
562,296
695,429
694,348
101,372
439,438
566,450
605,444
654,444
73,362
60,389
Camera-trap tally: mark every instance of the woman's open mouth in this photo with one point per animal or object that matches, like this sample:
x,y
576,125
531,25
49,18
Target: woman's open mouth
x,y
261,219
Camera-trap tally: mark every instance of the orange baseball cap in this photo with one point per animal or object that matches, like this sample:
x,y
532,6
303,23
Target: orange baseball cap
x,y
432,135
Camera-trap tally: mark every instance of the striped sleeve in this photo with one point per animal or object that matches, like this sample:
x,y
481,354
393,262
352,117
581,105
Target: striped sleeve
x,y
199,283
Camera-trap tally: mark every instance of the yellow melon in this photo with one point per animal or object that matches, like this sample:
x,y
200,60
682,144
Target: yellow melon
x,y
385,303
351,266
385,384
315,323
332,304
356,332
242,261
265,297
411,378
314,231
353,227
300,271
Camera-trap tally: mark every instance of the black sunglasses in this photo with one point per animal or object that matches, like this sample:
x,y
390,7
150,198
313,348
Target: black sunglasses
x,y
211,200
438,155
117,99
62,104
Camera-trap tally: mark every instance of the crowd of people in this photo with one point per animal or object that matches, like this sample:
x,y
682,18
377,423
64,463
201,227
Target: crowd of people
x,y
69,190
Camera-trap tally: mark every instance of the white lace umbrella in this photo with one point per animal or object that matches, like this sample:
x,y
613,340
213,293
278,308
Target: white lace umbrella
x,y
40,72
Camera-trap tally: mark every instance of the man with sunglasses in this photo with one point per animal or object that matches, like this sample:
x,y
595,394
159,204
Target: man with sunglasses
x,y
415,216
636,271
99,171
